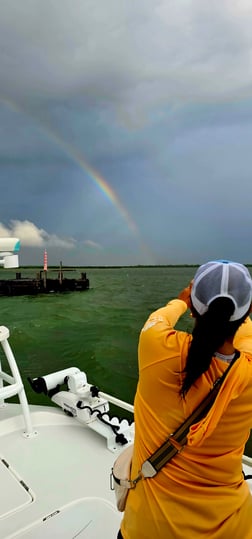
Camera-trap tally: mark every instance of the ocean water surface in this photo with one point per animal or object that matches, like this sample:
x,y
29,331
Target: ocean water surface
x,y
96,330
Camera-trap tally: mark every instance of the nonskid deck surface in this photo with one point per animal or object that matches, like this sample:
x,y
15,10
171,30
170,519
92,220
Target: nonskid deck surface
x,y
55,484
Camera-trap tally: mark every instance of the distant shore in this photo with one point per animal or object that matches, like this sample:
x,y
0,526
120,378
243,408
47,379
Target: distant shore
x,y
66,267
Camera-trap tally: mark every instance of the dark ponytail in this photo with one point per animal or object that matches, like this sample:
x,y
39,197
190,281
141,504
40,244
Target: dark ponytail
x,y
210,332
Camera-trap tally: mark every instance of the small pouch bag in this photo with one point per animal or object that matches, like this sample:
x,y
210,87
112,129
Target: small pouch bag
x,y
120,477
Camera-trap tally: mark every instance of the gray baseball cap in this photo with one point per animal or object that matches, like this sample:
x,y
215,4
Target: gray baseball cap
x,y
222,278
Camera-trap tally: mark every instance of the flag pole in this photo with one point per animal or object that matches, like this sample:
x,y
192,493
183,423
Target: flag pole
x,y
60,273
45,267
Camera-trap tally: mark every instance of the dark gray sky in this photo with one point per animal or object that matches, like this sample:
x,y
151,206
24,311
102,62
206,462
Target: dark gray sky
x,y
126,130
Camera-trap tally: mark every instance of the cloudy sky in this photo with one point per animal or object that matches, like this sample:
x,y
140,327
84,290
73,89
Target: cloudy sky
x,y
126,130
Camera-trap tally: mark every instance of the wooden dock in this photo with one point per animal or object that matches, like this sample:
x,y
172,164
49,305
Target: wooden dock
x,y
41,284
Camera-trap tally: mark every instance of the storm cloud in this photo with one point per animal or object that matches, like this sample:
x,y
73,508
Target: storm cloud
x,y
125,130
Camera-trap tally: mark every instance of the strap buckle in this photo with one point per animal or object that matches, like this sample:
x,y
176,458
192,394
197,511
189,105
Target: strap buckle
x,y
126,483
175,443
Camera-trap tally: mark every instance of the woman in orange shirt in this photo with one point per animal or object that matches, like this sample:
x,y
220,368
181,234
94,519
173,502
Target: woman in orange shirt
x,y
201,491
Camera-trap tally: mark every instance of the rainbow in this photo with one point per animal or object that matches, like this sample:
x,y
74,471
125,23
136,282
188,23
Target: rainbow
x,y
100,182
78,159
93,174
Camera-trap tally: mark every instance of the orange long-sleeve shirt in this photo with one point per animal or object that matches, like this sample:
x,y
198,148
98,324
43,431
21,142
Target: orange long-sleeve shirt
x,y
200,492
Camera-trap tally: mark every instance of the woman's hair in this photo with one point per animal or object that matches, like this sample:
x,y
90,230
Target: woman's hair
x,y
210,332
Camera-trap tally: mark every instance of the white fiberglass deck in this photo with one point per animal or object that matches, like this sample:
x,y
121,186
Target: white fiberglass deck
x,y
55,484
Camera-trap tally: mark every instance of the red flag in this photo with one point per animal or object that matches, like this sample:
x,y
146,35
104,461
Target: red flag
x,y
45,261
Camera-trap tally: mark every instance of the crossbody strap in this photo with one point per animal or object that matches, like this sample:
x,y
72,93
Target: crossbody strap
x,y
176,441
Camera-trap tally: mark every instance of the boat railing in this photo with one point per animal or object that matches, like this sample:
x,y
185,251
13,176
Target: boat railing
x,y
14,383
117,402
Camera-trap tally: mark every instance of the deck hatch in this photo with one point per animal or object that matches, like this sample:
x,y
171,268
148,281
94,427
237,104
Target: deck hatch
x,y
16,492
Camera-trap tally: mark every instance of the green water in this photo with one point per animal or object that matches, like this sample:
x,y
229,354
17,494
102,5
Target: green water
x,y
96,330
